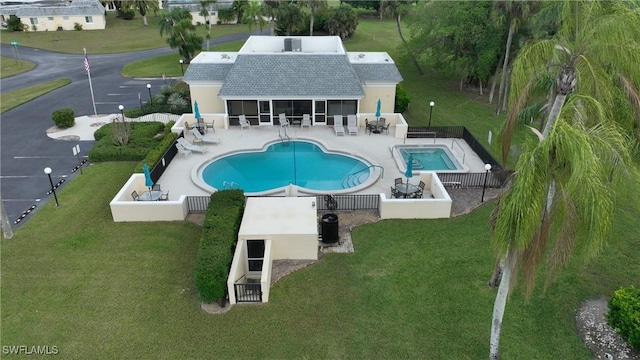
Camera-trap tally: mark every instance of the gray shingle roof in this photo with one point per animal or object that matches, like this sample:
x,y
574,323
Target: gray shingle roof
x,y
378,72
80,8
292,75
207,72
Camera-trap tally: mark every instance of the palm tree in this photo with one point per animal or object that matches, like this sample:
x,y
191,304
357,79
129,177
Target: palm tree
x,y
561,195
144,6
314,6
205,10
254,14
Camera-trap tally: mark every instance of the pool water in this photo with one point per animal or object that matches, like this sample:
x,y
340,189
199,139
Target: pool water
x,y
429,158
301,163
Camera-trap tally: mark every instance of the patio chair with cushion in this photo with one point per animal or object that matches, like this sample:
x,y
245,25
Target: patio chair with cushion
x,y
338,125
191,147
205,139
306,121
183,151
352,124
244,123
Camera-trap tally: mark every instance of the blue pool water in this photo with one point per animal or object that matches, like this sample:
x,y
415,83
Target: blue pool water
x,y
430,158
301,163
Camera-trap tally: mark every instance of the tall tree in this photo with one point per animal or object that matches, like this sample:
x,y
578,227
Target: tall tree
x,y
343,21
562,194
395,9
176,24
239,7
205,10
289,18
514,12
143,7
254,15
314,6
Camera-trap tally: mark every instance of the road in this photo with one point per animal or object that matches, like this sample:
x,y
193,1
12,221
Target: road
x,y
25,148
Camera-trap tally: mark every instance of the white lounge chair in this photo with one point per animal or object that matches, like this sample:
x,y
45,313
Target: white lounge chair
x,y
352,125
338,125
183,151
205,139
283,119
191,147
306,121
243,122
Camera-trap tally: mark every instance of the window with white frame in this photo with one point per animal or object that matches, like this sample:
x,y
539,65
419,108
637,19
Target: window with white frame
x,y
34,21
88,19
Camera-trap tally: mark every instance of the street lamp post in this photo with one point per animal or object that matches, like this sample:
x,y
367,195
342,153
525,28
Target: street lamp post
x,y
47,171
121,107
181,66
431,104
487,167
150,99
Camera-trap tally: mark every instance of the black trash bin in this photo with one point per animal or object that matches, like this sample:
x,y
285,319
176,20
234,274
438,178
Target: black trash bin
x,y
329,225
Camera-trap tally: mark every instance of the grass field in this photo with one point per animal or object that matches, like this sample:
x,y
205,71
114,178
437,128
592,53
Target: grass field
x,y
10,67
414,289
9,100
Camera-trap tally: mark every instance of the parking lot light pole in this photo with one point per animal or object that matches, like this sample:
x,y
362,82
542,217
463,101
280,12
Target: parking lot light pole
x,y
487,167
182,66
121,107
150,99
47,171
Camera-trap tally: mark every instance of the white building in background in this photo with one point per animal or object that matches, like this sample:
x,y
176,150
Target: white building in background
x,y
57,15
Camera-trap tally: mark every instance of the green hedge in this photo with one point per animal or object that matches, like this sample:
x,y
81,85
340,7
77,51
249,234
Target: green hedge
x,y
154,155
144,137
217,244
402,99
624,314
64,118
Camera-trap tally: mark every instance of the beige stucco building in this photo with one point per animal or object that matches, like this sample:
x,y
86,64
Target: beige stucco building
x,y
295,75
90,14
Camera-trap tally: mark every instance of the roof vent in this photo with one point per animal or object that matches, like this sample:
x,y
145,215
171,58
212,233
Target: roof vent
x,y
225,56
360,56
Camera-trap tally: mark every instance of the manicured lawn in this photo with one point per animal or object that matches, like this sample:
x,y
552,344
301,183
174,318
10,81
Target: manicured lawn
x,y
119,36
11,99
10,67
413,289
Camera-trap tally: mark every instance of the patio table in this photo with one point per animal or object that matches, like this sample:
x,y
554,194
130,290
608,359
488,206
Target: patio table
x,y
376,125
407,189
153,195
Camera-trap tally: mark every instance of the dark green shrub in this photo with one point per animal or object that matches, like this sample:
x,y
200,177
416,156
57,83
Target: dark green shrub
x,y
144,137
127,14
77,26
219,236
14,24
624,314
402,99
64,118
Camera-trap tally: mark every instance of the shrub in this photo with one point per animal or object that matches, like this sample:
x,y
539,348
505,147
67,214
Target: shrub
x,y
64,118
127,14
77,26
143,139
217,244
624,314
14,24
402,99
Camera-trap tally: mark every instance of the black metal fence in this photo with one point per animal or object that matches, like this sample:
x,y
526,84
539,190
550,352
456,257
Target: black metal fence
x,y
248,292
164,162
348,202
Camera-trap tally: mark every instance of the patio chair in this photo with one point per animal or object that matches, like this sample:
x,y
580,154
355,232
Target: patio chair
x,y
189,146
418,194
156,187
395,194
164,197
352,124
368,126
209,125
385,128
338,125
283,119
243,122
134,195
205,139
306,121
398,181
183,151
189,127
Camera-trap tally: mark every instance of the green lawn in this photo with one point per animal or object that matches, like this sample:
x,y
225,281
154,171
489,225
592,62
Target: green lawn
x,y
413,289
10,67
9,100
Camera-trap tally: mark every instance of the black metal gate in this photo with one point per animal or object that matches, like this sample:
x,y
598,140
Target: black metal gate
x,y
248,292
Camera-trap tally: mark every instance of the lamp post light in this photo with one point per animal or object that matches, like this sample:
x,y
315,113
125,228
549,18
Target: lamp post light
x,y
150,99
431,104
47,171
182,66
487,167
121,107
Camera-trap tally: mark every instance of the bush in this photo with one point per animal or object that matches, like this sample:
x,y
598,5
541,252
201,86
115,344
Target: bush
x,y
143,140
127,14
77,26
217,244
624,314
64,118
14,24
402,99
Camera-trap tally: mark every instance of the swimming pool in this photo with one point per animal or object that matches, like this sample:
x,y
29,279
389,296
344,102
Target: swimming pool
x,y
428,157
302,163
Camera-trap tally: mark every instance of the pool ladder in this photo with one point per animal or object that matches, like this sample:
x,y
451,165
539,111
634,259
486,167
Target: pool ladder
x,y
230,185
284,133
346,181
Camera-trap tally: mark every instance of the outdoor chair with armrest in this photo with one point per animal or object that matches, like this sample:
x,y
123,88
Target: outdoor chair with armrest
x,y
209,125
134,195
282,117
244,123
189,146
398,181
306,121
156,187
164,197
385,128
205,139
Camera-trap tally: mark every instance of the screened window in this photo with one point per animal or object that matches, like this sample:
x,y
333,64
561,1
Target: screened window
x,y
34,21
88,19
248,108
50,18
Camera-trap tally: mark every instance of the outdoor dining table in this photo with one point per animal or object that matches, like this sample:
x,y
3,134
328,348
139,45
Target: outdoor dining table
x,y
152,195
376,125
407,189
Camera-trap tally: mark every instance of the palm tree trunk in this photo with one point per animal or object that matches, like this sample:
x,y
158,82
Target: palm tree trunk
x,y
311,24
495,79
413,58
503,80
499,305
144,20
